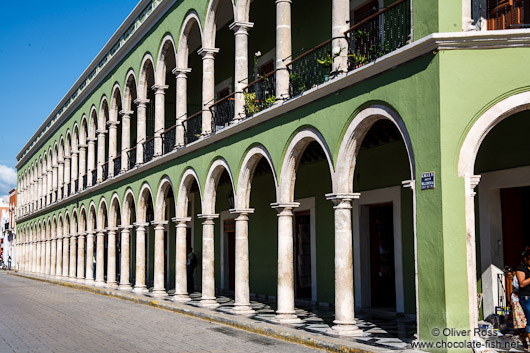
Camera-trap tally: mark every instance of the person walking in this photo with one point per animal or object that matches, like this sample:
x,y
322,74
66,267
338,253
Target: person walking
x,y
522,273
191,264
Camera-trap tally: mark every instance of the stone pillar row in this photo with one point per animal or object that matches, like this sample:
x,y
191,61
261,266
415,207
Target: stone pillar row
x,y
63,257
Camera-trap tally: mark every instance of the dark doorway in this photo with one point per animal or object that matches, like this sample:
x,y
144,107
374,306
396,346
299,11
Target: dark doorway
x,y
515,203
302,254
230,233
382,271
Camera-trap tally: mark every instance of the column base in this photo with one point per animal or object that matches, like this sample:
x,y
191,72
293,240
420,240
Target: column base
x,y
286,318
158,293
112,285
80,280
345,329
243,309
89,282
140,289
125,287
180,298
209,303
99,283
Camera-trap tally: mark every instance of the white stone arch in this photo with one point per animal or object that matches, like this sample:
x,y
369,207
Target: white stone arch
x,y
130,83
103,214
103,113
142,87
182,198
242,10
115,208
75,137
210,26
60,225
92,122
353,138
141,210
83,131
116,101
210,187
466,168
74,222
165,185
293,154
60,155
246,173
92,217
129,203
83,220
191,20
66,224
167,48
54,226
49,234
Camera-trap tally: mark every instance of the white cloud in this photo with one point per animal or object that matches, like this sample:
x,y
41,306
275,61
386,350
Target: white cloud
x,y
8,179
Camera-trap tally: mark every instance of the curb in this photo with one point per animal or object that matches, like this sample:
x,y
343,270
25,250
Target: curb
x,y
283,333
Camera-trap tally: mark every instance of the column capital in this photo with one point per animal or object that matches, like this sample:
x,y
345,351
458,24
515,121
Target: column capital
x,y
140,225
279,1
100,231
181,220
75,152
112,229
471,182
409,184
125,227
208,53
241,211
112,123
287,205
343,197
181,72
126,113
140,101
90,232
67,156
159,89
207,217
59,163
91,140
241,27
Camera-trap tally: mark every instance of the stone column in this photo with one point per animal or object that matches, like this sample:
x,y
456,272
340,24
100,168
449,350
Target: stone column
x,y
66,257
283,47
82,165
141,130
39,192
208,253
182,107
59,266
181,280
111,258
54,181
44,188
471,182
159,290
91,159
73,258
101,154
60,184
67,175
43,256
125,138
208,87
34,256
49,189
285,312
48,258
74,177
241,70
242,290
139,286
159,116
344,294
100,258
89,278
38,256
340,20
113,145
81,258
53,257
125,283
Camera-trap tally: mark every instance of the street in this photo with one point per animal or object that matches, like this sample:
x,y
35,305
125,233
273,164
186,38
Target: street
x,y
41,317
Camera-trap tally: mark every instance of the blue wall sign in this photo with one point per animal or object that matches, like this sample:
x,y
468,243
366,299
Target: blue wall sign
x,y
427,181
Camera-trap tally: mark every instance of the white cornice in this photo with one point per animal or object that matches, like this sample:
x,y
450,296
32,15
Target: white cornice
x,y
435,41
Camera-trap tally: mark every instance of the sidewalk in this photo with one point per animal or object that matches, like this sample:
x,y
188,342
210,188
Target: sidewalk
x,y
380,334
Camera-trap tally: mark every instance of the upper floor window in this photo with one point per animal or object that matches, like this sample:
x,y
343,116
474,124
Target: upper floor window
x,y
501,14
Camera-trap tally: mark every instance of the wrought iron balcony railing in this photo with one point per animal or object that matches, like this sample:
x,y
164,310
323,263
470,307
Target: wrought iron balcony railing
x,y
105,171
68,187
94,176
379,34
117,165
507,14
311,68
223,111
260,94
85,181
169,139
131,155
76,185
149,149
193,127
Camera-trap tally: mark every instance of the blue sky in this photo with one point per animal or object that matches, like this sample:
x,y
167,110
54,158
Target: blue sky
x,y
45,47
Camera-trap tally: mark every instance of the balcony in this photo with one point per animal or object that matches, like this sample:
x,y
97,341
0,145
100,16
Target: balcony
x,y
94,177
223,112
131,156
507,14
193,127
117,165
169,139
85,181
105,171
149,149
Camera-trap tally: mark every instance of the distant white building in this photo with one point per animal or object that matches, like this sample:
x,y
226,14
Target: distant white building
x,y
6,237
